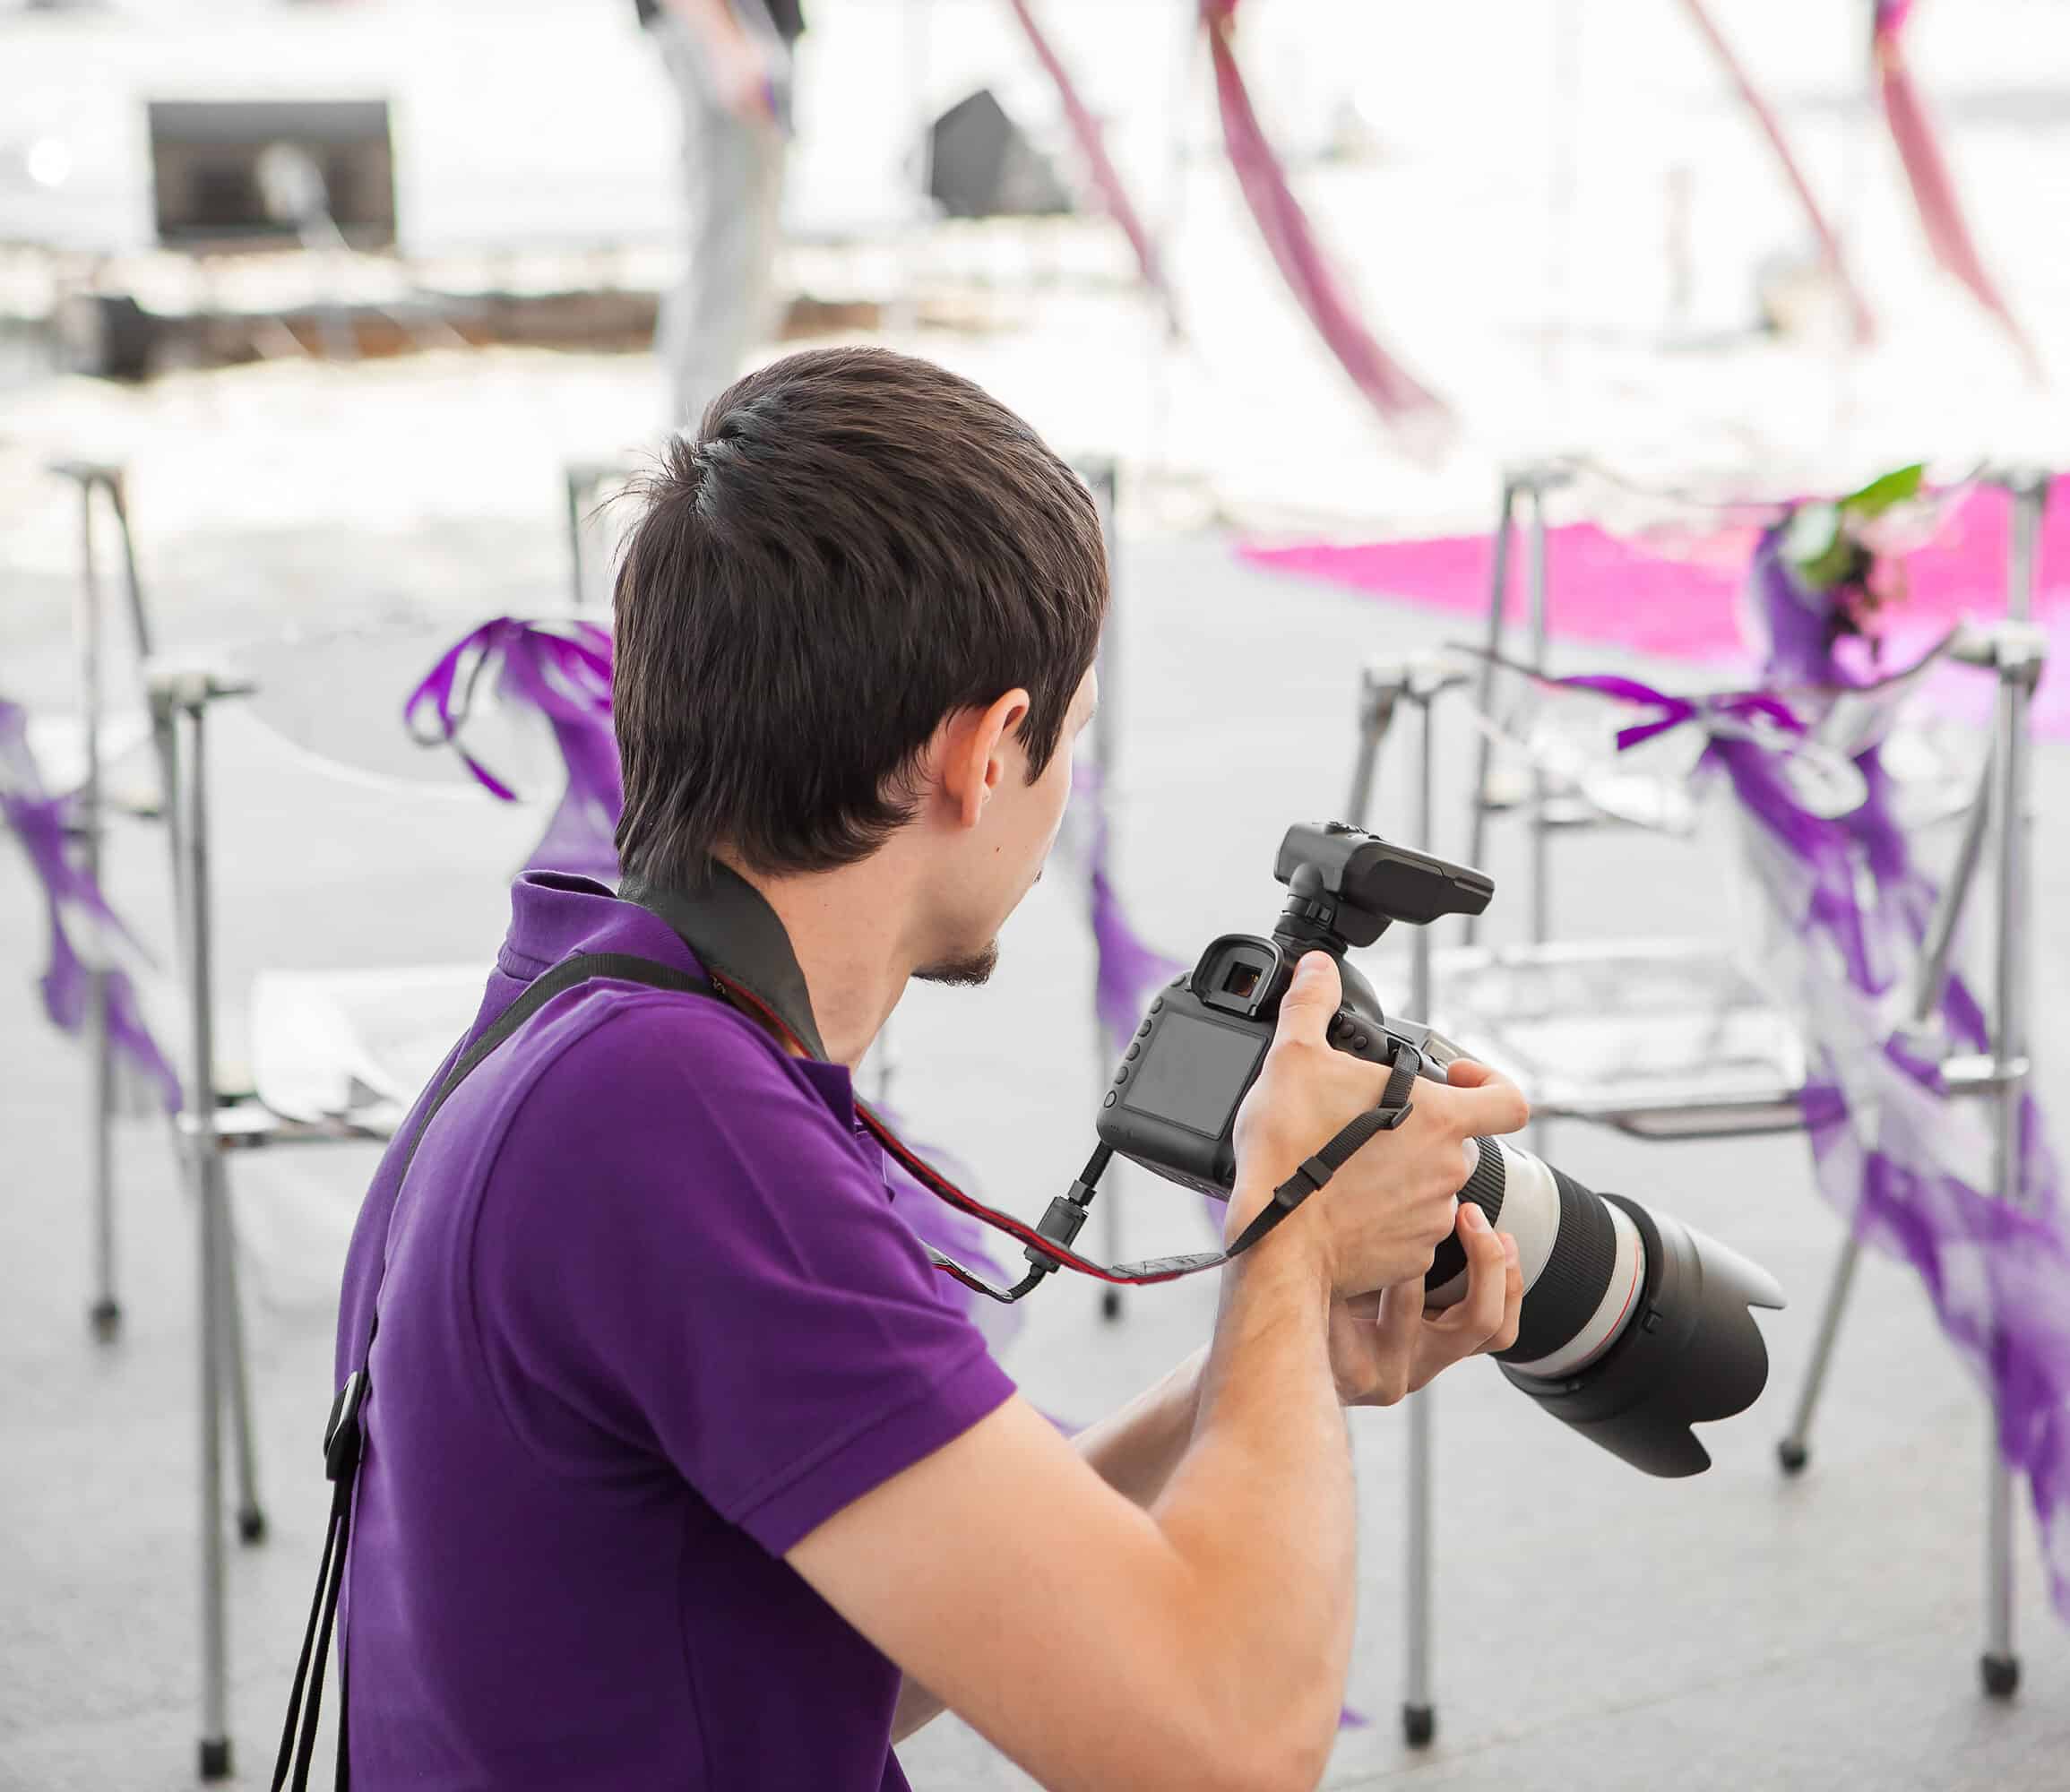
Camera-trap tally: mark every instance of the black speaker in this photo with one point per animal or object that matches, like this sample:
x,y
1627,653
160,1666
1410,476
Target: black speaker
x,y
210,168
979,165
107,334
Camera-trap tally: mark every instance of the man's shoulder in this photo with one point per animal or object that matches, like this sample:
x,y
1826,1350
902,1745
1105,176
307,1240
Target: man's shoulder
x,y
658,1054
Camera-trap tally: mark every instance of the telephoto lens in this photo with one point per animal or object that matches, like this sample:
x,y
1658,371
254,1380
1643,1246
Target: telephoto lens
x,y
1635,1326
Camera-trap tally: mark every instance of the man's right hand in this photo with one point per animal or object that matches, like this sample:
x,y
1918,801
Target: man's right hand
x,y
1381,1217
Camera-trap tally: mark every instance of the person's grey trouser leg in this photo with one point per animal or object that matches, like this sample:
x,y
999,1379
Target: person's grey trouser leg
x,y
733,187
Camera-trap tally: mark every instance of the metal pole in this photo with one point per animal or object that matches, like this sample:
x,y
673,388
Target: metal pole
x,y
139,622
1484,690
1540,1130
230,1339
105,1314
1954,898
1103,478
2000,1666
1376,701
578,594
199,1122
2030,490
1795,1449
1419,1714
1541,865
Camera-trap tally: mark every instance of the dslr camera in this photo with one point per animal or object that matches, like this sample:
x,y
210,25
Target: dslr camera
x,y
1634,1327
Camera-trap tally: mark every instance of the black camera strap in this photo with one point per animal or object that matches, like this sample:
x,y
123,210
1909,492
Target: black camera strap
x,y
344,1434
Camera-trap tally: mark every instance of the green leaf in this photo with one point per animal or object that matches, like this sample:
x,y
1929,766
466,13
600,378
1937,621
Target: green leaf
x,y
1893,489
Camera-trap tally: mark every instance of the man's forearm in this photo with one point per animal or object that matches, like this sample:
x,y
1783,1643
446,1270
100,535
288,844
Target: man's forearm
x,y
1134,1450
1262,1508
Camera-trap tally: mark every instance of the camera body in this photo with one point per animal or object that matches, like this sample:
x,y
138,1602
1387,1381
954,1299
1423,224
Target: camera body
x,y
1172,1105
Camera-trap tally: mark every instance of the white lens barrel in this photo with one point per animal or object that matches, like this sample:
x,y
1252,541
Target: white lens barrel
x,y
1530,1214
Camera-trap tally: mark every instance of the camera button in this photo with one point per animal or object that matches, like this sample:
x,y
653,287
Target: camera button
x,y
1108,1099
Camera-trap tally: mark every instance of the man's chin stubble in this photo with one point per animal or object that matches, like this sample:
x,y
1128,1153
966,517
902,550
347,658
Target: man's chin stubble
x,y
962,973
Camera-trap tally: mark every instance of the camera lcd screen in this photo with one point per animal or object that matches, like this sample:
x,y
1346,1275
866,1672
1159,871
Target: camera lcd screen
x,y
1194,1073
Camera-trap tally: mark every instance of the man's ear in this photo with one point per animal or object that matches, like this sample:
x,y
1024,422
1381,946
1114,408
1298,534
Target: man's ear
x,y
973,748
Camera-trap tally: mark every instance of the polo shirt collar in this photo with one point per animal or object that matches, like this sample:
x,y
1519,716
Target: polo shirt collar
x,y
725,922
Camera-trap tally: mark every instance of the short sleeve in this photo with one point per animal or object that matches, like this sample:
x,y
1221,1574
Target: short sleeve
x,y
681,1249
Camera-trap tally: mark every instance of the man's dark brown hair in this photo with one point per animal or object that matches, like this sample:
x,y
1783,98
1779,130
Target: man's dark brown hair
x,y
853,545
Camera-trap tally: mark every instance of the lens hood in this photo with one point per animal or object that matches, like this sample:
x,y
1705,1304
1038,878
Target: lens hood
x,y
1691,1354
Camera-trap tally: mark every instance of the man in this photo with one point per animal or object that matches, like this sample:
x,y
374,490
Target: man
x,y
729,65
677,1472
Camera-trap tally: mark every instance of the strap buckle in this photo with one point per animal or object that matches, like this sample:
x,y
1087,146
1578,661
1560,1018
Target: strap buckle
x,y
342,1436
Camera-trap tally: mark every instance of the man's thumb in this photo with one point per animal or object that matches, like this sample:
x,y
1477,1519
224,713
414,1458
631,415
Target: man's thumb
x,y
1311,999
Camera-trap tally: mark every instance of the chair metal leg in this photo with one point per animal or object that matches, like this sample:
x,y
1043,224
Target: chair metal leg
x,y
237,1372
1418,1710
1794,1450
1484,751
577,595
1419,1714
2000,1665
1377,695
1102,479
105,1313
198,1124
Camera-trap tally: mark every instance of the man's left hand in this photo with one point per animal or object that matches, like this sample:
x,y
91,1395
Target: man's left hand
x,y
1383,1346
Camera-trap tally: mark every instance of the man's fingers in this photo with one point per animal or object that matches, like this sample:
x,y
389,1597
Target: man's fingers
x,y
1486,1101
1470,1072
1400,1317
1311,1000
1512,1298
1480,1315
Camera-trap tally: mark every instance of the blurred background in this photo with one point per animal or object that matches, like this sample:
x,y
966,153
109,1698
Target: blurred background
x,y
357,300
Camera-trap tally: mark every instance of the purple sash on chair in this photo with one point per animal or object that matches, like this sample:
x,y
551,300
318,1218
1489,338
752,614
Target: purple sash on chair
x,y
1849,908
72,899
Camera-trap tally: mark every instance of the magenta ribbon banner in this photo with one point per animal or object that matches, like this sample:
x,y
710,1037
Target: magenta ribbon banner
x,y
1100,167
1932,181
74,900
1387,386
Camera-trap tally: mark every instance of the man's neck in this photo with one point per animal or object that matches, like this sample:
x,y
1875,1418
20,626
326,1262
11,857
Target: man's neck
x,y
848,930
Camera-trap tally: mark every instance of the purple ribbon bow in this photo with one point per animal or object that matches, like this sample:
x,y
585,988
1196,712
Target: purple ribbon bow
x,y
41,824
563,672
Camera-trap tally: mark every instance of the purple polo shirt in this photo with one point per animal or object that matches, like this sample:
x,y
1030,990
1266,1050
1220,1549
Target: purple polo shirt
x,y
647,1319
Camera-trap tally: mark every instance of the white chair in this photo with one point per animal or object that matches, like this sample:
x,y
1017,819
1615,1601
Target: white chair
x,y
1678,1040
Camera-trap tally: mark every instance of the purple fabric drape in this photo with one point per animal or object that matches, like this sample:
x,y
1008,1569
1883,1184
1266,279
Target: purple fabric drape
x,y
71,898
1387,386
1861,319
1127,969
1932,181
1849,909
561,672
1100,167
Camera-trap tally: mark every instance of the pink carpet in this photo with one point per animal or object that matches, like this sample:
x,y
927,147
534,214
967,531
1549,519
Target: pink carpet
x,y
1680,600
